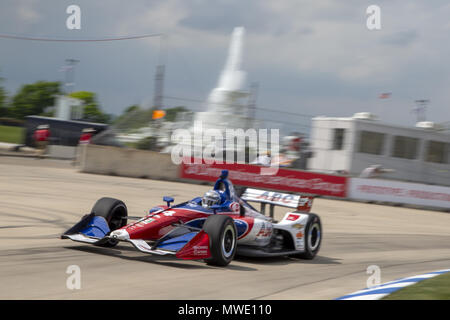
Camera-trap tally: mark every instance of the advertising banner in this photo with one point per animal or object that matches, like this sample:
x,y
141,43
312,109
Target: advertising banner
x,y
399,192
285,179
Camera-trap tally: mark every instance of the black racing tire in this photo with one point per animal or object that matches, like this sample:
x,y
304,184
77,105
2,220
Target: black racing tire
x,y
113,210
222,239
313,237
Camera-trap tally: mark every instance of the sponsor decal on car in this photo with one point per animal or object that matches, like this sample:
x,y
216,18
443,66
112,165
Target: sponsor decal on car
x,y
299,235
276,197
235,207
138,224
299,244
265,231
298,226
200,250
147,221
293,217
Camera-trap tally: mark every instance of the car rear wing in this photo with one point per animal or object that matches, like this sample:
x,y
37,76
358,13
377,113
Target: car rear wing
x,y
302,203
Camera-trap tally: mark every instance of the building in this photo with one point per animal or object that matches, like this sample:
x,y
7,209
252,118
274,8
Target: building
x,y
416,154
68,108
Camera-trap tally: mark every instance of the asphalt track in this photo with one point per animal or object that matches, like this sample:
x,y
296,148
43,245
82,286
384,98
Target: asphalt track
x,y
39,199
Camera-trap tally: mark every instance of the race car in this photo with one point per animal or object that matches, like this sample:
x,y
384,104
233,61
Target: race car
x,y
215,227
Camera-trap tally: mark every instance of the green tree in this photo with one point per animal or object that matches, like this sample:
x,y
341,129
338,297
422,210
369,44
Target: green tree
x,y
32,99
3,105
133,118
92,111
132,108
86,96
171,113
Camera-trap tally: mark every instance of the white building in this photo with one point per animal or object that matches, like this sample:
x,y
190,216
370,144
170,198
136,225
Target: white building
x,y
418,154
68,108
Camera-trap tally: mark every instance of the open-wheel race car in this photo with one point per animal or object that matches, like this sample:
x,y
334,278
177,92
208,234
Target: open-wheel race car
x,y
214,227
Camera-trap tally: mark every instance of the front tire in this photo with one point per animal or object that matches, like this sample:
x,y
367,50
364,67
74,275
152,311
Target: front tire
x,y
222,239
114,211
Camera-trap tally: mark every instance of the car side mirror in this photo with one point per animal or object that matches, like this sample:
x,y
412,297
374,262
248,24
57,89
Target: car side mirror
x,y
168,200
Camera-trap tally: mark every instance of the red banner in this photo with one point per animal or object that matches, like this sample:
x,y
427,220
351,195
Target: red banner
x,y
285,179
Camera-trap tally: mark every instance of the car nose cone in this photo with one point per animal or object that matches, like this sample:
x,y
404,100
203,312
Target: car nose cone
x,y
120,235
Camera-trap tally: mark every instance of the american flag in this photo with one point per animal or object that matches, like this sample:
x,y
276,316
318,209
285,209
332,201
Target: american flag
x,y
385,95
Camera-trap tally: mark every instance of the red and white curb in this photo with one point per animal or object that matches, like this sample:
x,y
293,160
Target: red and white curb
x,y
378,292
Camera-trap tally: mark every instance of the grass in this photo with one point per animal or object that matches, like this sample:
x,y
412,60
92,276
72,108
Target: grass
x,y
11,134
437,288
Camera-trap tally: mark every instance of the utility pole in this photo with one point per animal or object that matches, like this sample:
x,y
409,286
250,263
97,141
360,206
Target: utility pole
x,y
69,69
160,73
158,93
420,109
254,87
251,113
159,87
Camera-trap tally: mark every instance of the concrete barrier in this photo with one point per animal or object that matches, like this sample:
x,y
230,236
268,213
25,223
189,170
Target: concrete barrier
x,y
61,152
127,162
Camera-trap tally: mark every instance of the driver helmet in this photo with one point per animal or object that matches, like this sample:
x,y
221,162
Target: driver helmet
x,y
210,198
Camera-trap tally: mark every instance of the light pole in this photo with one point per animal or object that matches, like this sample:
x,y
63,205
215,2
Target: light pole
x,y
70,75
420,109
159,75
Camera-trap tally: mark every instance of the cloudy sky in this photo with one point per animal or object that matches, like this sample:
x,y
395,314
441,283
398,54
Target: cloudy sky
x,y
311,57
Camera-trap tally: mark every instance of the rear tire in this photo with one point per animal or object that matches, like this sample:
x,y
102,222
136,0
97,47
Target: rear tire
x,y
113,210
313,237
222,239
